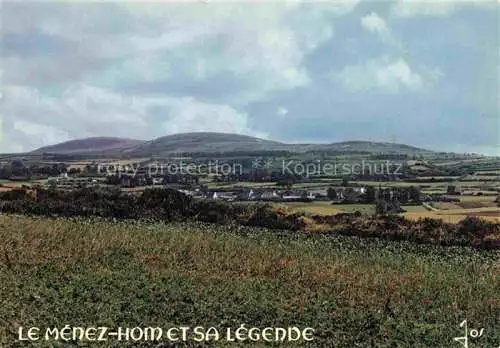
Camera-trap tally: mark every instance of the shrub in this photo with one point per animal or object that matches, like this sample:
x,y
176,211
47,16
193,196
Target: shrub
x,y
473,231
264,216
214,211
12,195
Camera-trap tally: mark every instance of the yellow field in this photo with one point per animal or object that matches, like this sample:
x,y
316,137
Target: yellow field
x,y
216,185
414,208
456,215
316,208
11,186
485,211
399,183
453,215
467,198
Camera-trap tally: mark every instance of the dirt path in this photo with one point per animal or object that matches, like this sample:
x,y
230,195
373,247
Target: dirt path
x,y
429,207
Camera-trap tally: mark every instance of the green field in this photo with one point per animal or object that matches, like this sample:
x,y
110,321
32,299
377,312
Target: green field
x,y
354,293
327,208
352,208
414,208
219,185
398,183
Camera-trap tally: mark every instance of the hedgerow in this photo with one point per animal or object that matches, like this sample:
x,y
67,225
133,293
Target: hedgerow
x,y
169,205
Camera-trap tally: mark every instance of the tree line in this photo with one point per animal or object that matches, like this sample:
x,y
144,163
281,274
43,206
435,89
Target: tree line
x,y
170,205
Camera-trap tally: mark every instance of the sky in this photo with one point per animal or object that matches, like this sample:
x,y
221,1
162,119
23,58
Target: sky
x,y
423,73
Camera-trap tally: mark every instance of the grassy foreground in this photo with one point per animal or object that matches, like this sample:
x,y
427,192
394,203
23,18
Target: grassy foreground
x,y
353,292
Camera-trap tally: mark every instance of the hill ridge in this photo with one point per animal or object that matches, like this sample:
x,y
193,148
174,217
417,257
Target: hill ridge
x,y
209,142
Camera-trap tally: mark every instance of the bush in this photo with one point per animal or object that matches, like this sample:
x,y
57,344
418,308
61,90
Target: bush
x,y
264,216
214,211
473,231
165,204
12,195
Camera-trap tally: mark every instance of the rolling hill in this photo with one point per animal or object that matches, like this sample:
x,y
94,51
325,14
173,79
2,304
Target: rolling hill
x,y
206,142
90,145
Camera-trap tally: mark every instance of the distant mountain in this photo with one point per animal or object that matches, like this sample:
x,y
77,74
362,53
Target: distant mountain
x,y
90,145
363,146
206,142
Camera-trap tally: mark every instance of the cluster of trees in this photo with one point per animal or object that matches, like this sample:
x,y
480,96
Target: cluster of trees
x,y
155,204
373,195
18,169
350,195
162,204
263,175
387,207
404,195
452,190
472,231
430,180
389,200
127,180
390,156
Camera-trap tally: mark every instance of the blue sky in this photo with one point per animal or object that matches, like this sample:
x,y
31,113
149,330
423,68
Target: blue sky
x,y
424,73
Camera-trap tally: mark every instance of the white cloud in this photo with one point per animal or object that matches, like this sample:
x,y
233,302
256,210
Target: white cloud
x,y
390,76
282,112
189,115
32,120
118,68
263,43
93,52
438,8
374,23
39,133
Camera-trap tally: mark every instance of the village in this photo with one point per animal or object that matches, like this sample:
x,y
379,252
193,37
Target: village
x,y
336,192
422,190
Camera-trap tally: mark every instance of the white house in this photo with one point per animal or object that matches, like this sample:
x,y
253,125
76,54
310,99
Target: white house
x,y
361,190
225,196
271,195
292,197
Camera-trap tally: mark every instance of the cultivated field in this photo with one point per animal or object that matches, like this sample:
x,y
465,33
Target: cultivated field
x,y
452,213
449,212
327,208
7,186
313,208
354,293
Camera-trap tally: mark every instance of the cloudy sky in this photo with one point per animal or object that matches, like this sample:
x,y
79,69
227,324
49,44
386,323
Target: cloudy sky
x,y
425,73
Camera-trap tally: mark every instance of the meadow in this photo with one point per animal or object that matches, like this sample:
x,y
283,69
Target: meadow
x,y
353,292
448,212
327,208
